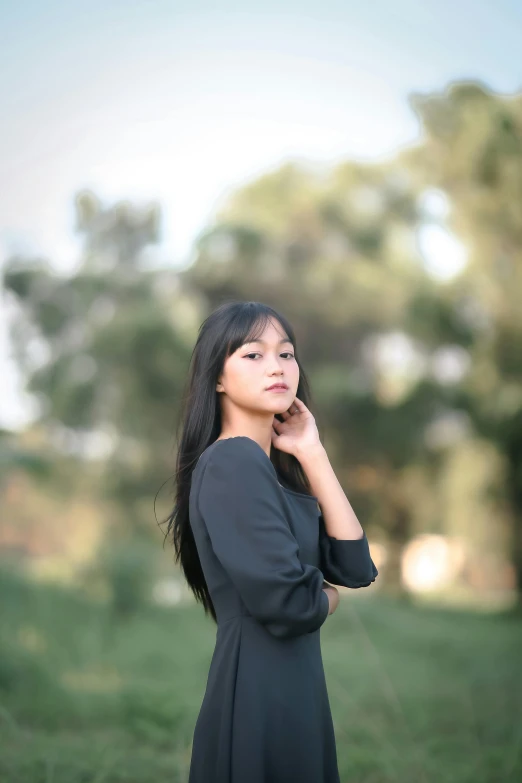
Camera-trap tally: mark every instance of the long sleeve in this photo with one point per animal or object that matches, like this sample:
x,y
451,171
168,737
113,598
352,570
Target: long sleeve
x,y
241,508
345,562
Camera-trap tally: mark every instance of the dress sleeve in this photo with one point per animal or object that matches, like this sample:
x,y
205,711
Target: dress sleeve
x,y
345,562
241,508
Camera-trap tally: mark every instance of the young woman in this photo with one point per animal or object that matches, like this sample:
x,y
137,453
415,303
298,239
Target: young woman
x,y
255,546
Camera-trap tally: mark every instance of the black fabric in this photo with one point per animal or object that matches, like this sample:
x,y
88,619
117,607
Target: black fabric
x,y
345,562
264,550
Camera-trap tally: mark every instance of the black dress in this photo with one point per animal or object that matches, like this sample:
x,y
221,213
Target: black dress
x,y
265,716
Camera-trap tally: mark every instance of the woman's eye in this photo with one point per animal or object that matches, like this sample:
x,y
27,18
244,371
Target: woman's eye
x,y
287,353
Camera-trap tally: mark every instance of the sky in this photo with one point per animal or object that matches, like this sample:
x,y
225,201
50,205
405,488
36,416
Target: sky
x,y
182,102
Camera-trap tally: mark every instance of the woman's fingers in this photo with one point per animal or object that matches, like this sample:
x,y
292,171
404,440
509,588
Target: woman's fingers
x,y
295,407
299,406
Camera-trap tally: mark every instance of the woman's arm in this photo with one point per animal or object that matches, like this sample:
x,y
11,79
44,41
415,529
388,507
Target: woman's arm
x,y
339,517
345,554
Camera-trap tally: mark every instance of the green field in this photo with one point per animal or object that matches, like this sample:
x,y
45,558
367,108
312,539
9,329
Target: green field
x,y
418,695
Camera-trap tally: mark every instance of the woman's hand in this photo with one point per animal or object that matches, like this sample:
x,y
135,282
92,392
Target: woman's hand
x,y
333,597
298,432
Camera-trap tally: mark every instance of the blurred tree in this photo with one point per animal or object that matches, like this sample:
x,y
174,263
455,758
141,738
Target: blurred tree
x,y
105,350
403,364
472,151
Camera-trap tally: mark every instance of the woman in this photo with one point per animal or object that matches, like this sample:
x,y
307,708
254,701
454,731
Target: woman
x,y
255,546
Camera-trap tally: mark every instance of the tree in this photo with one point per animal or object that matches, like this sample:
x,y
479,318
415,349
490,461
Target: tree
x,y
472,150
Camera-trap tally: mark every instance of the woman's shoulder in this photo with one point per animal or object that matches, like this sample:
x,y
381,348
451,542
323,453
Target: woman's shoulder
x,y
239,455
238,444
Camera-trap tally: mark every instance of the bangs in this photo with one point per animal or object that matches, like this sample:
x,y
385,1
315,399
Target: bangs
x,y
249,325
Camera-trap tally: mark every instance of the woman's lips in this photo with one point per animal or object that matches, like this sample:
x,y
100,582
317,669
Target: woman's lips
x,y
278,389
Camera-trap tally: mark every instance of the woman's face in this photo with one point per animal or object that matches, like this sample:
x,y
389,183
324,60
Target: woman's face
x,y
255,366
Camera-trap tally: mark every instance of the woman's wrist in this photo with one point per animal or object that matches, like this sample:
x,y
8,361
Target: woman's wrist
x,y
328,594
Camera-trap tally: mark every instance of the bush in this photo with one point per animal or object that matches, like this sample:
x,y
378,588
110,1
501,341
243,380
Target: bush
x,y
128,568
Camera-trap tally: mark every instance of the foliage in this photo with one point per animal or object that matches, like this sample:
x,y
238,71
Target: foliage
x,y
405,366
416,694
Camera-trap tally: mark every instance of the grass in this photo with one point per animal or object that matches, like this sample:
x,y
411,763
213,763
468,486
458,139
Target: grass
x,y
418,695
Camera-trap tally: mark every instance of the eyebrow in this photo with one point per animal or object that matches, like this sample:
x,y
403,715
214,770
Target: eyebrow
x,y
284,340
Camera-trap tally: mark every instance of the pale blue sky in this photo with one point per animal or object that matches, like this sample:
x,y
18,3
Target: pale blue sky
x,y
180,102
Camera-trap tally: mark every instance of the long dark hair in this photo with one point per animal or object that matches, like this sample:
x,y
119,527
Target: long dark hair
x,y
225,330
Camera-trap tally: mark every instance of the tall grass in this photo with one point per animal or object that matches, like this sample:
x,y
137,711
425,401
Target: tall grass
x,y
92,695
